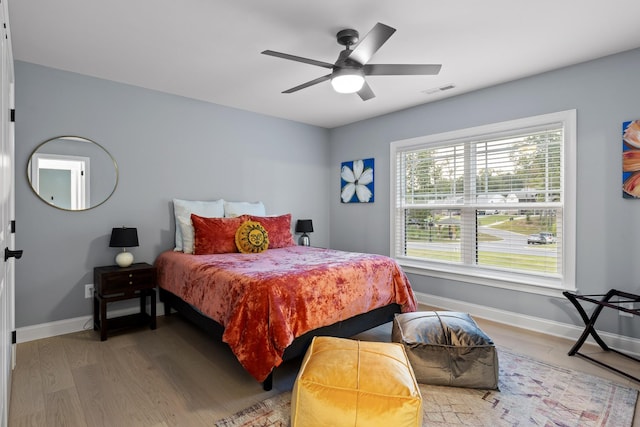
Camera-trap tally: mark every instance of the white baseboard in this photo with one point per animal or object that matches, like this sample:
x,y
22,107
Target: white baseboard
x,y
536,324
67,326
571,332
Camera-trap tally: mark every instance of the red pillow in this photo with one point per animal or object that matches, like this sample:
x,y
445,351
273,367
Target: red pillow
x,y
278,228
215,235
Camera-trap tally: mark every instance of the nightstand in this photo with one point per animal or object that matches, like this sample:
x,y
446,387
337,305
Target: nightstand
x,y
113,283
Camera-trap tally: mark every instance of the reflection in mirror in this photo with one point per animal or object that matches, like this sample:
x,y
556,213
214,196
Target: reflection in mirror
x,y
72,173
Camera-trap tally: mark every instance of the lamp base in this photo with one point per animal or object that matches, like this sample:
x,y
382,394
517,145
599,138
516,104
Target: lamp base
x,y
304,240
124,259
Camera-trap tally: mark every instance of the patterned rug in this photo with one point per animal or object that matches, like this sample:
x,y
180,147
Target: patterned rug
x,y
532,393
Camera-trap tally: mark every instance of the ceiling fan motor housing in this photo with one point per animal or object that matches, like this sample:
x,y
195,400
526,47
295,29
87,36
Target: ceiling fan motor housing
x,y
344,61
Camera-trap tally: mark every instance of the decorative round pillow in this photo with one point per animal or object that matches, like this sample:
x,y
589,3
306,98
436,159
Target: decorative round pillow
x,y
251,237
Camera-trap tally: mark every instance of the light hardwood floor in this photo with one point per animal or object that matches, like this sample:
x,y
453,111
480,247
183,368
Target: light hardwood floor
x,y
177,376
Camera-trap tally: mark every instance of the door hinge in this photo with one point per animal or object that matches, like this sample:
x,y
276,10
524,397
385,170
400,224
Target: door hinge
x,y
13,115
13,337
13,226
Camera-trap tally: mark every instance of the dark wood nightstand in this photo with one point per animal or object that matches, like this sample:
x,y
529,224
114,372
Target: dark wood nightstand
x,y
113,283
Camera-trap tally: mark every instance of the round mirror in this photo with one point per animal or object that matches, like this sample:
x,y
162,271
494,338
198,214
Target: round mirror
x,y
72,173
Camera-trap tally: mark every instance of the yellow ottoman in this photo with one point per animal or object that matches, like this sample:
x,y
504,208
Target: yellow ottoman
x,y
345,382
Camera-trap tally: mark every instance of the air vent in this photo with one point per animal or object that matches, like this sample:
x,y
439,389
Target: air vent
x,y
439,89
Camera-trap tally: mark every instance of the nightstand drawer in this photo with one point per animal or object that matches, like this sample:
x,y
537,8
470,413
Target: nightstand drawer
x,y
115,280
126,281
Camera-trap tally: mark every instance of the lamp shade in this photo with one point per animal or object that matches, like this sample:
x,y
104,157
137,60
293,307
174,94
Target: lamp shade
x,y
124,237
304,226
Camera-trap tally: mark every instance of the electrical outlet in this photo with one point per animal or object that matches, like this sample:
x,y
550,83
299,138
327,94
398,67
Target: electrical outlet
x,y
88,290
628,305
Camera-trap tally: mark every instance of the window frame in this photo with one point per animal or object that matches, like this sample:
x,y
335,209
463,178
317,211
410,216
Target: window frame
x,y
514,280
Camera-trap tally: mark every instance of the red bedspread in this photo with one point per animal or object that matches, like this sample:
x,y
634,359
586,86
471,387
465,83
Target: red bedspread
x,y
266,300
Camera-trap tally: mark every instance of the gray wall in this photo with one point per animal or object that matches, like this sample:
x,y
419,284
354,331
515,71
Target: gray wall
x,y
165,146
605,93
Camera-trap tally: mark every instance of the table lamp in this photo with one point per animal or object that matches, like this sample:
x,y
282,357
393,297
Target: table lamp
x,y
124,237
304,226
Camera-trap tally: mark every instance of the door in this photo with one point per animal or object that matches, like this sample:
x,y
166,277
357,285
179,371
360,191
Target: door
x,y
7,175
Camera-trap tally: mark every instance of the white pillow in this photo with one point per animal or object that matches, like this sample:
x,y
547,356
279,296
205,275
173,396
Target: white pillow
x,y
233,209
182,210
188,235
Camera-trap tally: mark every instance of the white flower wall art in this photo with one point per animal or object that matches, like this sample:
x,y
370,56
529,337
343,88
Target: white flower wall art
x,y
356,181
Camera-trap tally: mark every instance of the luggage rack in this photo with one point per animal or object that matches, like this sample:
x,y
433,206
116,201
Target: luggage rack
x,y
604,301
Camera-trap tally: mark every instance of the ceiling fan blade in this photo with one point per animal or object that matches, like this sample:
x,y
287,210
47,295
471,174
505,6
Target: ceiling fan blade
x,y
297,58
370,44
402,69
307,84
366,93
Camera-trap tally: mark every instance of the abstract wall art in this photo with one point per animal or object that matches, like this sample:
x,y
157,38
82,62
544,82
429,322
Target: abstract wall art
x,y
631,159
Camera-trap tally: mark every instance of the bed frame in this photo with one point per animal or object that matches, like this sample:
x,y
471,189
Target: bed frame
x,y
343,329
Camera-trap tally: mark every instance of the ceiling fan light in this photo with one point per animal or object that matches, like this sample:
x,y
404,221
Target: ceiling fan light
x,y
347,81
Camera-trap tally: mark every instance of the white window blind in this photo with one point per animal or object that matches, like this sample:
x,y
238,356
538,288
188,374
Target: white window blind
x,y
488,202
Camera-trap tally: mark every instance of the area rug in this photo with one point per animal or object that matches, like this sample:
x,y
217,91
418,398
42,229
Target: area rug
x,y
532,393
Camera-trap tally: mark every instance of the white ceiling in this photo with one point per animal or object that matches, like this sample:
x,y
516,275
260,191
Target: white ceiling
x,y
210,49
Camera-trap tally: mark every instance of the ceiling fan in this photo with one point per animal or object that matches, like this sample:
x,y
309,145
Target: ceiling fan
x,y
349,70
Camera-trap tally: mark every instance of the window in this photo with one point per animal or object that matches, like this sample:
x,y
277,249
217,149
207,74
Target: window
x,y
493,205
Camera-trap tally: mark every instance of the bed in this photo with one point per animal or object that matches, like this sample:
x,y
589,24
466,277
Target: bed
x,y
238,274
267,306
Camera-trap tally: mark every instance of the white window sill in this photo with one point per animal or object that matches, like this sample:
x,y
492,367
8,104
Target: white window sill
x,y
524,283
